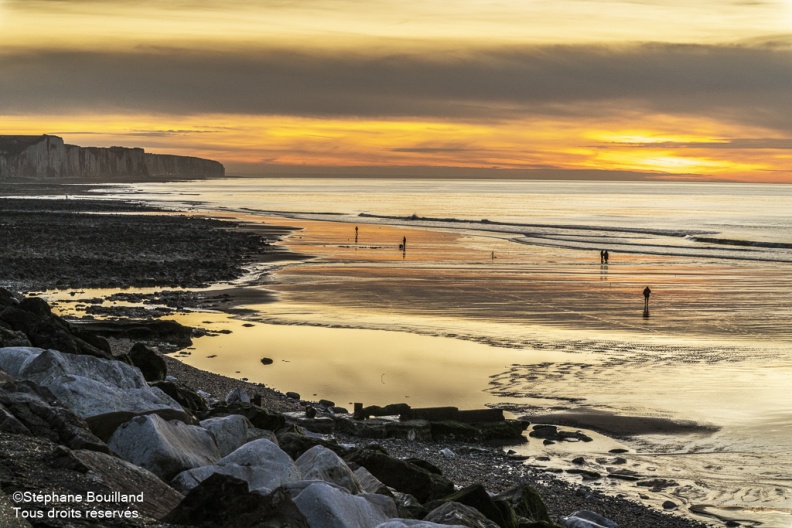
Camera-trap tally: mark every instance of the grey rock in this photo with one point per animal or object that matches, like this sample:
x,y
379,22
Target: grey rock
x,y
237,395
222,500
320,463
326,506
230,431
41,414
369,483
260,463
104,393
164,448
14,359
459,514
129,479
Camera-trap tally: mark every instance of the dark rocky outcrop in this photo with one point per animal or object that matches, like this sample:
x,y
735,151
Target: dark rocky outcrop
x,y
261,418
149,331
526,504
184,396
475,496
296,444
33,318
149,362
48,157
402,476
222,500
455,513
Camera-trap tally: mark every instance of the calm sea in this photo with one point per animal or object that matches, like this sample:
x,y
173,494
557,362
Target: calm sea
x,y
514,266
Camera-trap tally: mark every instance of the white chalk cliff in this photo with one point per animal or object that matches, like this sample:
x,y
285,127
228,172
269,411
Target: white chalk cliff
x,y
48,157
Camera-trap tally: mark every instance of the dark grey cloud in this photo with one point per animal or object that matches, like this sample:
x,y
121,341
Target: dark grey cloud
x,y
747,84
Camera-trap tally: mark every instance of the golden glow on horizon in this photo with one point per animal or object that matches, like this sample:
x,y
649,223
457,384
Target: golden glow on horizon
x,y
240,141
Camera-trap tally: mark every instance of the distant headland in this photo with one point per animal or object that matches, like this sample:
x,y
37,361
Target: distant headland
x,y
47,157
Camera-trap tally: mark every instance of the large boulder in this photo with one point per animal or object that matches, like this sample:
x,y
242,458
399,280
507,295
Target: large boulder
x,y
164,448
129,479
260,463
403,476
104,393
525,502
222,500
295,444
43,415
455,513
477,498
327,506
261,418
230,432
320,463
149,362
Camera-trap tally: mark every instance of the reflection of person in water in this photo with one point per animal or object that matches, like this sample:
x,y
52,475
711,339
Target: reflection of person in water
x,y
646,293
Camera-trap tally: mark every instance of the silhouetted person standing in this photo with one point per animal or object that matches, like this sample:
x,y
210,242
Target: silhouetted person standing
x,y
404,243
605,254
647,292
602,256
356,234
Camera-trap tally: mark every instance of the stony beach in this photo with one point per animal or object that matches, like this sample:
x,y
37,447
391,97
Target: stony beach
x,y
54,244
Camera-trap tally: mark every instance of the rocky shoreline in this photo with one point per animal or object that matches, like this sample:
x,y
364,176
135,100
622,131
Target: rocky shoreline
x,y
82,456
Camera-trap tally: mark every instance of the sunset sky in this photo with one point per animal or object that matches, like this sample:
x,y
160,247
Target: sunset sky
x,y
631,88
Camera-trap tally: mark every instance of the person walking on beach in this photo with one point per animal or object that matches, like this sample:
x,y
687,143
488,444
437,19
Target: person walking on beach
x,y
605,255
647,292
404,243
356,234
602,256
